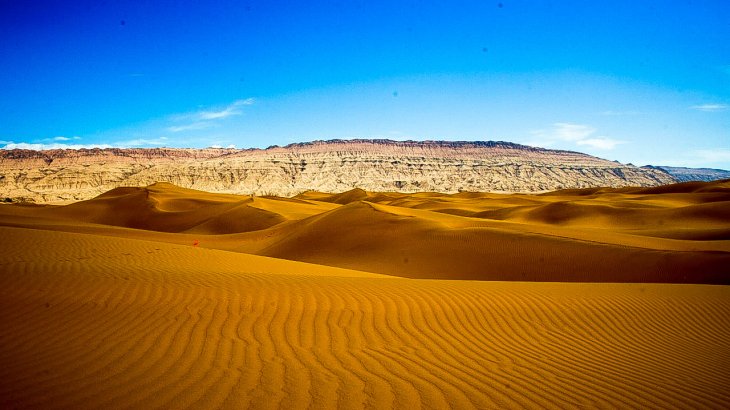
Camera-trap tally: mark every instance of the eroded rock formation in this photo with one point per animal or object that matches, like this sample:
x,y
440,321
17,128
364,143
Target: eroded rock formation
x,y
328,166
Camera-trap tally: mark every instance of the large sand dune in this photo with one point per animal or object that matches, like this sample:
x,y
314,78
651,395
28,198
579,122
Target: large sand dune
x,y
155,298
674,234
100,322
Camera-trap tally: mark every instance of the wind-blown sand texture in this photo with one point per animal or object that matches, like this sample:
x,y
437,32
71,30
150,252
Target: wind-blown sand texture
x,y
96,314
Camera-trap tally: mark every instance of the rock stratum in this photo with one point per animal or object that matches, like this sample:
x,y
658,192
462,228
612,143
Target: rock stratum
x,y
326,166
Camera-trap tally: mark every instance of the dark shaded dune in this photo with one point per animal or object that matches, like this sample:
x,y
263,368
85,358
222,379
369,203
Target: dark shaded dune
x,y
290,200
682,188
165,208
240,218
352,195
311,196
457,212
578,192
699,216
565,212
471,195
721,186
692,221
357,236
711,212
385,197
707,234
503,213
680,199
410,202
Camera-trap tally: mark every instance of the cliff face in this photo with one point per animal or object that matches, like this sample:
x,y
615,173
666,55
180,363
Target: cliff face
x,y
328,166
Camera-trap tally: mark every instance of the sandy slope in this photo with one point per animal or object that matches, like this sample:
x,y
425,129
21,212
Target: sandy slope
x,y
97,321
673,234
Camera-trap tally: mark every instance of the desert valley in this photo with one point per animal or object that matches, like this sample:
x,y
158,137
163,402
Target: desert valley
x,y
161,296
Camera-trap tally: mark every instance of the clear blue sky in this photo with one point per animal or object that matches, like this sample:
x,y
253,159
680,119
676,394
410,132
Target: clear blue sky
x,y
646,82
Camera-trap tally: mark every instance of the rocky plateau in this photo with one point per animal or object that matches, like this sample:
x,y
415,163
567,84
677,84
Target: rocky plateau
x,y
326,166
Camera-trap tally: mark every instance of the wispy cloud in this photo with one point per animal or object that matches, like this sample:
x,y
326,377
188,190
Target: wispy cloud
x,y
699,158
43,146
710,107
713,155
572,132
141,142
134,143
62,138
600,143
207,118
200,125
235,108
152,133
578,134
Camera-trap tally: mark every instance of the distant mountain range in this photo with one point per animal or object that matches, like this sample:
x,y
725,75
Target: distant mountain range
x,y
327,166
696,174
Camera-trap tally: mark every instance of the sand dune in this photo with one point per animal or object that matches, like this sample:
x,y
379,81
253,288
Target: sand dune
x,y
163,297
674,234
96,321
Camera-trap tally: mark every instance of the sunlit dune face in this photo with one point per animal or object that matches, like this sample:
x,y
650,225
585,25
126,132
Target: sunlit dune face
x,y
162,297
677,233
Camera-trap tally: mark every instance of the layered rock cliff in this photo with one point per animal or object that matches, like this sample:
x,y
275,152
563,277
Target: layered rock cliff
x,y
328,166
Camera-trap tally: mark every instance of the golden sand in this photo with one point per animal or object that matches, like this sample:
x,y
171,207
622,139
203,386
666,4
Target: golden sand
x,y
95,314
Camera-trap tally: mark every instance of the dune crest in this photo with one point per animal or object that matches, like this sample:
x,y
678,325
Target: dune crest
x,y
671,234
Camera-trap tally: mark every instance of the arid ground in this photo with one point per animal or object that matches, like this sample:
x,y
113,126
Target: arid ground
x,y
163,297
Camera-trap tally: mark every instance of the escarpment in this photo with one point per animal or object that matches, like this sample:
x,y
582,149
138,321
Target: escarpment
x,y
326,166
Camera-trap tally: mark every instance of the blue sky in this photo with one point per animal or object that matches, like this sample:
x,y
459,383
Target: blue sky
x,y
646,82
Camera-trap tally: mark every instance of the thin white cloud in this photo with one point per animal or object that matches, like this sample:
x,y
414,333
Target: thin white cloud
x,y
194,126
600,143
713,155
578,134
140,142
41,147
699,158
710,107
207,118
216,114
143,135
572,132
59,145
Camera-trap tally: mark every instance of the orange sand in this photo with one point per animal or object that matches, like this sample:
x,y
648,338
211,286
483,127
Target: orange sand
x,y
95,314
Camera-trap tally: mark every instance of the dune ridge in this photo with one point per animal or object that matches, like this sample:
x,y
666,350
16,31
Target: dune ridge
x,y
94,321
671,234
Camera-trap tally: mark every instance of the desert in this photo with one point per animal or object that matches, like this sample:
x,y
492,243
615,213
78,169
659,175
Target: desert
x,y
364,204
167,297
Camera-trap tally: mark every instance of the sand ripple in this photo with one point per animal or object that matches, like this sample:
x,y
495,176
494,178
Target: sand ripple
x,y
102,322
